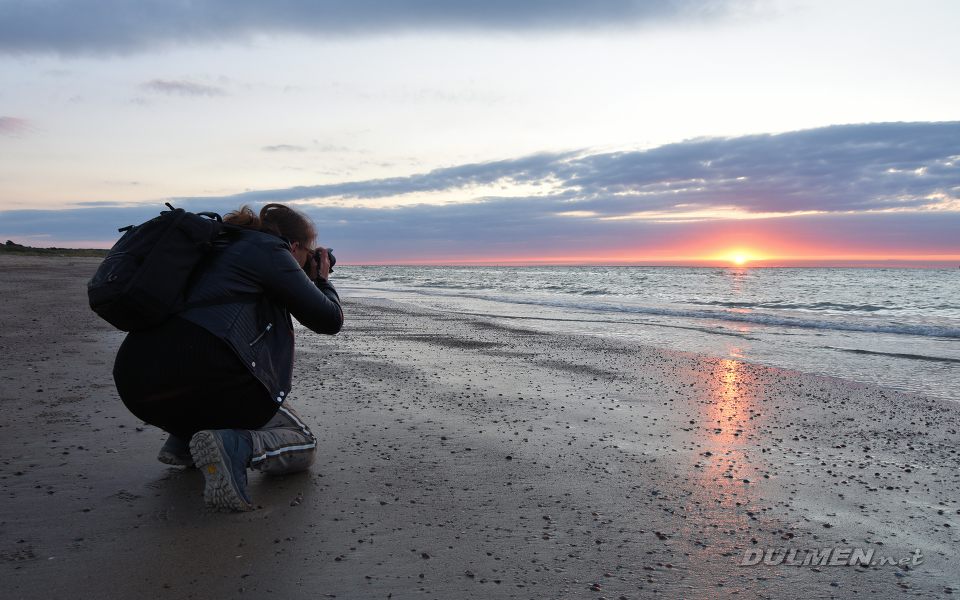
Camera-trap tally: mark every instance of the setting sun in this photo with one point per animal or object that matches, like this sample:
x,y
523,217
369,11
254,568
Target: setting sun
x,y
738,256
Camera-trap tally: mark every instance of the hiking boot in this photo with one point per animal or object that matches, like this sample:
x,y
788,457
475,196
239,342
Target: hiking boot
x,y
176,452
222,456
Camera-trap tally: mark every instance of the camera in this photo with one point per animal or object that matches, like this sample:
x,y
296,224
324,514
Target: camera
x,y
316,258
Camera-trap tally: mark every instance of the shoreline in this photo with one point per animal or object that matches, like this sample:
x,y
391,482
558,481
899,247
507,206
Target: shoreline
x,y
813,323
631,470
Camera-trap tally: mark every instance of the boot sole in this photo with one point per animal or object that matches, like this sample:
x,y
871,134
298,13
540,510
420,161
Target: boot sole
x,y
220,491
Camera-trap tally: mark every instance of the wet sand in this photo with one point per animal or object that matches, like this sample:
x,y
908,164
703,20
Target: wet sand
x,y
462,459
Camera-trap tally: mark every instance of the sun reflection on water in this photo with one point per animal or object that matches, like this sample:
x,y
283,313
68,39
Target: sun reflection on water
x,y
738,279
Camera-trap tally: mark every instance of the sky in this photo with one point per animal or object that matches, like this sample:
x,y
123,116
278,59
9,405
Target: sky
x,y
787,132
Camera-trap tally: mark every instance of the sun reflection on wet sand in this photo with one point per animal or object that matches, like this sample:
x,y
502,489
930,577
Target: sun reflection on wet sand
x,y
726,413
725,425
725,487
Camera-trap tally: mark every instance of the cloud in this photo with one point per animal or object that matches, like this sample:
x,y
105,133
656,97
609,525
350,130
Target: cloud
x,y
13,126
522,170
859,189
867,167
118,26
284,148
182,88
881,166
507,229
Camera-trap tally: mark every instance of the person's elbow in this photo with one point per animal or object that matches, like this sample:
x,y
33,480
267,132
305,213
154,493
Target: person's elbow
x,y
332,324
337,325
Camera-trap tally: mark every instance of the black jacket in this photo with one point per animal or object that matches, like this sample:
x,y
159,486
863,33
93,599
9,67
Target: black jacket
x,y
260,269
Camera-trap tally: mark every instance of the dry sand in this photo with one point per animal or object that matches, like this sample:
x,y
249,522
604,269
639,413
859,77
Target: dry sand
x,y
462,459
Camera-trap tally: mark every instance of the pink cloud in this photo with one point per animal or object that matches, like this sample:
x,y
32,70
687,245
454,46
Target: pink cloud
x,y
14,126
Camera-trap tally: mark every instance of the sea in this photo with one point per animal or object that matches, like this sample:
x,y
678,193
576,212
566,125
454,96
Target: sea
x,y
893,328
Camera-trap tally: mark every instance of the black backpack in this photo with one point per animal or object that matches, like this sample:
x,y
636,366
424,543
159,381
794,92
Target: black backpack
x,y
141,281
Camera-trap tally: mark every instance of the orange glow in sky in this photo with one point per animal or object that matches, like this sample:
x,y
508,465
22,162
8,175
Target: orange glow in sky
x,y
691,257
784,242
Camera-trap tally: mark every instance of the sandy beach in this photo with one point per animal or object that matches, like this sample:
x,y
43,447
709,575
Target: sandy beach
x,y
463,459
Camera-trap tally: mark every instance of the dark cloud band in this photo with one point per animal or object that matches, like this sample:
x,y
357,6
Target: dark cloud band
x,y
467,233
870,185
877,166
111,26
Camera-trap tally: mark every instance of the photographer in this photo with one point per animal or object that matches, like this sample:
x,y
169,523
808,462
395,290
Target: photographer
x,y
216,376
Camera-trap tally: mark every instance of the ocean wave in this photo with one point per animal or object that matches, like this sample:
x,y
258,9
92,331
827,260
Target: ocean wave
x,y
737,316
898,355
908,302
815,306
768,319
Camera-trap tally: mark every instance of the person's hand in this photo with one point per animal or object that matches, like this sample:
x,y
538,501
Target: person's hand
x,y
323,269
310,267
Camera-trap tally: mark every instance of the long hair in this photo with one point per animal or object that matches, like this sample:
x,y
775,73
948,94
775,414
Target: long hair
x,y
276,219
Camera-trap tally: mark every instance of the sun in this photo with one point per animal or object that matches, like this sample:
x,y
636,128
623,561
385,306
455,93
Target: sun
x,y
738,256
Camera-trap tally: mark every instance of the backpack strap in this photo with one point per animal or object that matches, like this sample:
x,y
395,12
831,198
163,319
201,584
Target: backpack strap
x,y
236,298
